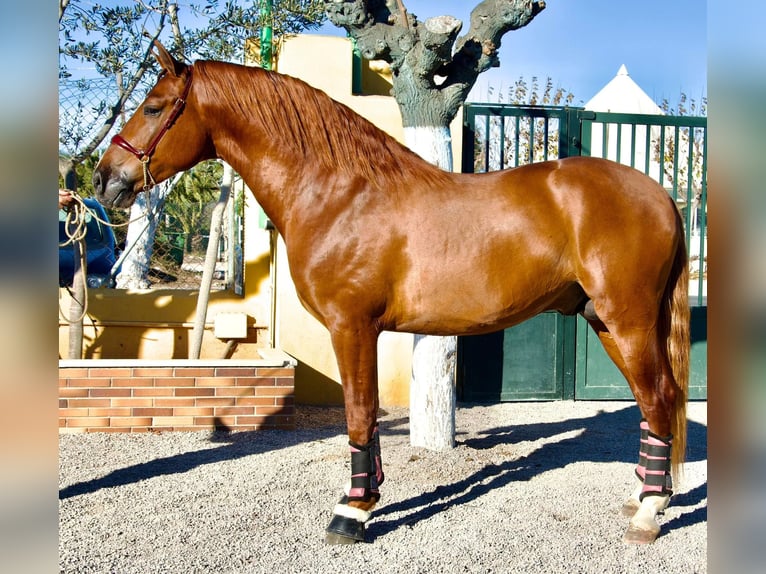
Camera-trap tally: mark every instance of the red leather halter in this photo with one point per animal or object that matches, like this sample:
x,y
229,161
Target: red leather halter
x,y
144,155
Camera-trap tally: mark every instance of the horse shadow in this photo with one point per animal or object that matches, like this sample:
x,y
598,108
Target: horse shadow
x,y
314,424
605,437
228,446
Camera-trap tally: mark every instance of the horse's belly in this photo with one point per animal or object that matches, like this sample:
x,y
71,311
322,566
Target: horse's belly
x,y
473,301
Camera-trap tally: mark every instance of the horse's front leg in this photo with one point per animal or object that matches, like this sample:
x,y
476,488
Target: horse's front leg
x,y
356,352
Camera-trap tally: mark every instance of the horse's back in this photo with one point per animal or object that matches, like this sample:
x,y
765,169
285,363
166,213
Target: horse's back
x,y
594,184
503,246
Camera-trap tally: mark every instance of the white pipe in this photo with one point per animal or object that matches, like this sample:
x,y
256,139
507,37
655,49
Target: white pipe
x,y
212,253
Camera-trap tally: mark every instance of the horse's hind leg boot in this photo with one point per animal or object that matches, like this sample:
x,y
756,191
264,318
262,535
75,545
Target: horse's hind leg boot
x,y
653,467
656,487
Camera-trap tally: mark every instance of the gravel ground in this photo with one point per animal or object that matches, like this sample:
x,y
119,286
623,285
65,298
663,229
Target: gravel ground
x,y
531,487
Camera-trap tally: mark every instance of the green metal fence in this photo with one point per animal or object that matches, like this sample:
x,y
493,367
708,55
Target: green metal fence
x,y
670,149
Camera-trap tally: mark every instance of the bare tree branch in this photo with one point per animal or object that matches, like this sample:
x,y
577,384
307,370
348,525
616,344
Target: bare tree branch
x,y
424,57
62,7
490,21
402,13
125,94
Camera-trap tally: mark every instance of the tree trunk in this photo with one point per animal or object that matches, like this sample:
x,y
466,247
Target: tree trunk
x,y
432,386
78,294
139,243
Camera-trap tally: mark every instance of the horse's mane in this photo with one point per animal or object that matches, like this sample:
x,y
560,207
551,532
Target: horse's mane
x,y
303,120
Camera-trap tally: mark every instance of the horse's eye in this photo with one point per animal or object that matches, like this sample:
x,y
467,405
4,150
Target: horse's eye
x,y
151,111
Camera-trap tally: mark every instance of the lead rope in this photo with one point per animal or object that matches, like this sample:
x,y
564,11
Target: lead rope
x,y
76,228
147,175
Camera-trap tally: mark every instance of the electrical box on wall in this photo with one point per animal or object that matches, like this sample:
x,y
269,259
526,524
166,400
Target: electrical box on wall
x,y
231,326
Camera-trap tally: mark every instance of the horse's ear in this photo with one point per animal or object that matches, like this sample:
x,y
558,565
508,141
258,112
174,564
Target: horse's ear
x,y
168,63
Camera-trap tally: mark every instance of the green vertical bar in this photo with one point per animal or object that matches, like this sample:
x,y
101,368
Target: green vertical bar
x,y
703,206
266,34
675,170
502,141
356,68
662,156
689,188
469,139
486,143
581,126
568,333
703,212
647,150
618,159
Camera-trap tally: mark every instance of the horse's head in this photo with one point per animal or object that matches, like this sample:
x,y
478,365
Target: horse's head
x,y
164,136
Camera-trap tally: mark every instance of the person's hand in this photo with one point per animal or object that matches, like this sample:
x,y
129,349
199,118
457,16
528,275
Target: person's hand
x,y
65,198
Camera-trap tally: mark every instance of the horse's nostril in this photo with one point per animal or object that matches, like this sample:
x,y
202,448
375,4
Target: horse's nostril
x,y
97,182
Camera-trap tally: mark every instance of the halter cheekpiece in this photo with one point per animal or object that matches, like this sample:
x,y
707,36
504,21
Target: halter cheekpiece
x,y
144,155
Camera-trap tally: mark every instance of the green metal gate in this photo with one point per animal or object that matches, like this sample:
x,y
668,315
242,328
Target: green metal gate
x,y
551,356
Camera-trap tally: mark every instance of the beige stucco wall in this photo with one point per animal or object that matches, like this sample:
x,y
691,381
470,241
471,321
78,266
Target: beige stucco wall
x,y
157,323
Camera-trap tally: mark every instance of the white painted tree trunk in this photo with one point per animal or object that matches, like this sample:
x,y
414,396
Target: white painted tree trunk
x,y
139,243
432,143
432,386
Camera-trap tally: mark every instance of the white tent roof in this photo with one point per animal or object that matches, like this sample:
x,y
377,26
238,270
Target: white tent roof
x,y
623,95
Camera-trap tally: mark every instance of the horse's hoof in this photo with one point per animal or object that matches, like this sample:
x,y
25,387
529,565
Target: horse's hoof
x,y
344,530
333,539
630,507
636,535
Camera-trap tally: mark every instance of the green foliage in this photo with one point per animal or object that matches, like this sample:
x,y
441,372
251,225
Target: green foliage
x,y
103,37
529,94
113,41
84,172
686,106
230,24
188,210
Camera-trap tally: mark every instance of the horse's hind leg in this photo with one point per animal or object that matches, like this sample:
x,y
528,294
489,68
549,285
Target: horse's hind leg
x,y
631,505
641,358
356,352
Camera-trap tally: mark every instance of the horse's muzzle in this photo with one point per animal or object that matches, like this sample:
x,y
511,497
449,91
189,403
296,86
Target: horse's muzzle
x,y
111,191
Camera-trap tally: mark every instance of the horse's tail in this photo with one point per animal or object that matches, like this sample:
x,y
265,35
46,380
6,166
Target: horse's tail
x,y
677,314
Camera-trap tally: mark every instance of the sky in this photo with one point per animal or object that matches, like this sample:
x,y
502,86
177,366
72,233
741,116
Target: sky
x,y
581,44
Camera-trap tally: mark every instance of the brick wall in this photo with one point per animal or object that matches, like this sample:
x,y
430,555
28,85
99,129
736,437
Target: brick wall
x,y
141,396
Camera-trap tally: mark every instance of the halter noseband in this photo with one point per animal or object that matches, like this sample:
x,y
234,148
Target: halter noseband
x,y
144,155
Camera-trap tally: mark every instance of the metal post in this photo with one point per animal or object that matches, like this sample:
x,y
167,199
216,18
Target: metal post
x,y
79,284
212,252
266,34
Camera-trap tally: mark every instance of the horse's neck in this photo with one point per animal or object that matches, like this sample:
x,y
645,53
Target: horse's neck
x,y
275,180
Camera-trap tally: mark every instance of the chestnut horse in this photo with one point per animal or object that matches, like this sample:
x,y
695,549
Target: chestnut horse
x,y
378,239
